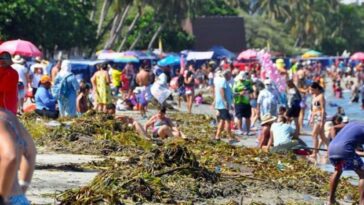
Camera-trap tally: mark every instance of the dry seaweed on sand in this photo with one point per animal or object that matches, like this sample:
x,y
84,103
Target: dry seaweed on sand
x,y
93,133
163,175
197,169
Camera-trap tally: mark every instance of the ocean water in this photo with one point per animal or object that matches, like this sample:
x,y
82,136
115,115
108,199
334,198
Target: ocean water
x,y
352,110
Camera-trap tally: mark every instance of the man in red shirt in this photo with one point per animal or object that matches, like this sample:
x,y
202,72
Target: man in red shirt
x,y
8,84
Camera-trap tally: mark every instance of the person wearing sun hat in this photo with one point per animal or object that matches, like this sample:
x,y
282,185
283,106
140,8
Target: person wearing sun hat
x,y
266,122
44,101
267,102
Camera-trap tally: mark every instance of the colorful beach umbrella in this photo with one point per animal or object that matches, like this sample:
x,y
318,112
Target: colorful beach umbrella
x,y
357,56
20,47
118,57
248,54
311,54
104,51
170,60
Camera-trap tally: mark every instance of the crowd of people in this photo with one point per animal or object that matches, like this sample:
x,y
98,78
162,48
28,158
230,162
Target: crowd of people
x,y
241,99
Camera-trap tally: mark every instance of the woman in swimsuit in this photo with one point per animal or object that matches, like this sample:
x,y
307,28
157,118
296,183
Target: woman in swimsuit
x,y
318,116
163,127
17,154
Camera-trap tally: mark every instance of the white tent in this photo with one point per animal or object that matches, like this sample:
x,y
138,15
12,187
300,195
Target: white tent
x,y
194,55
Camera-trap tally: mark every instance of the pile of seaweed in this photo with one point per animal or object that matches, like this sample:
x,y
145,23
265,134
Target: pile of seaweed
x,y
191,170
168,174
93,133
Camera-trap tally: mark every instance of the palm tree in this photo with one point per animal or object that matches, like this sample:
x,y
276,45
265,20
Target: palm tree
x,y
122,7
105,8
272,9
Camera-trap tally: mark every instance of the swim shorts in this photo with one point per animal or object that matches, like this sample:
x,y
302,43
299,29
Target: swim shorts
x,y
354,163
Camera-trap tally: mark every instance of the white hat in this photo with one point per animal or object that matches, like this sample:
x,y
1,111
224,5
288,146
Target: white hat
x,y
18,59
240,76
345,119
267,118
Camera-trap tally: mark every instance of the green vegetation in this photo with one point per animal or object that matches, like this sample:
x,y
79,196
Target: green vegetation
x,y
90,25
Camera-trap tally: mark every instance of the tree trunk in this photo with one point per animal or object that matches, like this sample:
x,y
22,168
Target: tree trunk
x,y
135,41
110,43
156,34
132,25
92,14
104,10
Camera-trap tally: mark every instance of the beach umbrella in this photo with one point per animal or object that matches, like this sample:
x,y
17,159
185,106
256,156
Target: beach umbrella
x,y
311,54
357,56
142,55
118,57
20,47
104,51
247,54
221,52
170,60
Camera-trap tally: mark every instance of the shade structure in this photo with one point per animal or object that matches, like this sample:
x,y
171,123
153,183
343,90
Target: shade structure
x,y
357,56
118,57
170,60
142,55
248,54
104,51
311,54
20,47
194,55
221,52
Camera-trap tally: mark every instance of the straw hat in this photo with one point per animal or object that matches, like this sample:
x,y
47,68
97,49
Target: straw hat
x,y
267,118
18,59
45,79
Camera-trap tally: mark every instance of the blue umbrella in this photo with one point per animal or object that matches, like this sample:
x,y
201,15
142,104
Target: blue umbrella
x,y
220,52
170,60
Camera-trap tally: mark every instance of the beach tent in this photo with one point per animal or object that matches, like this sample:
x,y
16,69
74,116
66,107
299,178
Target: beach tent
x,y
84,69
248,55
311,54
197,55
221,52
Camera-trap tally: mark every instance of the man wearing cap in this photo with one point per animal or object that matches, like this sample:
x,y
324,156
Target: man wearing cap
x,y
223,102
242,90
24,79
44,101
267,101
9,79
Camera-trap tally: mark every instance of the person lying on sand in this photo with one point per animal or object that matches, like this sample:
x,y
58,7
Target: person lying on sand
x,y
344,155
111,109
163,126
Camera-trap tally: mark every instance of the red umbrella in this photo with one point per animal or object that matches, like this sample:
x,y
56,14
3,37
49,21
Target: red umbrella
x,y
20,47
248,54
357,56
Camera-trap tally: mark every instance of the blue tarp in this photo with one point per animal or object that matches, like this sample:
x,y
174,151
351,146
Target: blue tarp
x,y
84,69
221,52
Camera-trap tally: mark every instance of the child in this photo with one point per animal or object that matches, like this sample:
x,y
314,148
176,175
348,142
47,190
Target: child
x,y
83,104
199,99
338,91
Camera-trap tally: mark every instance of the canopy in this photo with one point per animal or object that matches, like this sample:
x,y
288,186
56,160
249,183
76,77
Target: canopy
x,y
193,55
20,47
221,52
248,54
170,60
311,54
118,57
104,51
142,55
357,56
